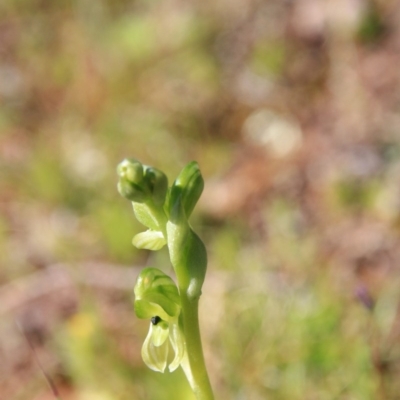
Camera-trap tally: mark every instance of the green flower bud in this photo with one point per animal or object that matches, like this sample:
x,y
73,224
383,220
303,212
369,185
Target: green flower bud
x,y
187,187
130,185
147,188
187,252
130,169
157,183
140,183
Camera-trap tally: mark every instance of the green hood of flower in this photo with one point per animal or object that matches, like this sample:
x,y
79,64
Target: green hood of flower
x,y
156,294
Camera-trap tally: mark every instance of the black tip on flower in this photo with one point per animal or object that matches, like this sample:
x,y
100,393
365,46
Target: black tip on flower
x,y
155,320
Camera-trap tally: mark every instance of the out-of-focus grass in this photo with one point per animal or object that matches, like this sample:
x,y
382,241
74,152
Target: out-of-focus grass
x,y
88,354
84,84
289,333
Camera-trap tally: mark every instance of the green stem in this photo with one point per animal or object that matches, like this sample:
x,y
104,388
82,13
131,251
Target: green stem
x,y
195,369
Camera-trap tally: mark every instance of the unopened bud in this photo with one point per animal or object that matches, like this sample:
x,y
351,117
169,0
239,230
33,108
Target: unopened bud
x,y
157,183
130,185
187,190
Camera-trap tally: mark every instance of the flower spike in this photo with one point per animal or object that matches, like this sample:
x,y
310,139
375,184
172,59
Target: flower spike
x,y
172,312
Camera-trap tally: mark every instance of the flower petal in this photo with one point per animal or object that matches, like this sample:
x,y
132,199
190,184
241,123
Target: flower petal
x,y
150,240
160,333
178,344
155,357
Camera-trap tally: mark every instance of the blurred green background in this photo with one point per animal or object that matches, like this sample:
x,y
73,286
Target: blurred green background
x,y
291,108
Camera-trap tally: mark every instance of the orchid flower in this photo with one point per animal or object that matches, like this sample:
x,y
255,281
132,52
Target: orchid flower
x,y
157,299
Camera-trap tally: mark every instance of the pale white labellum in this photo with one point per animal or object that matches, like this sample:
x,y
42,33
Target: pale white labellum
x,y
155,357
155,348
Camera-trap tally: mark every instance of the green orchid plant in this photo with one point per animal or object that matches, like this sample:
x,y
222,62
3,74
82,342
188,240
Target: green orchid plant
x,y
171,309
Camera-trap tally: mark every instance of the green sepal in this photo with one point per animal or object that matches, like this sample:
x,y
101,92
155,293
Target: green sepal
x,y
146,310
150,240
